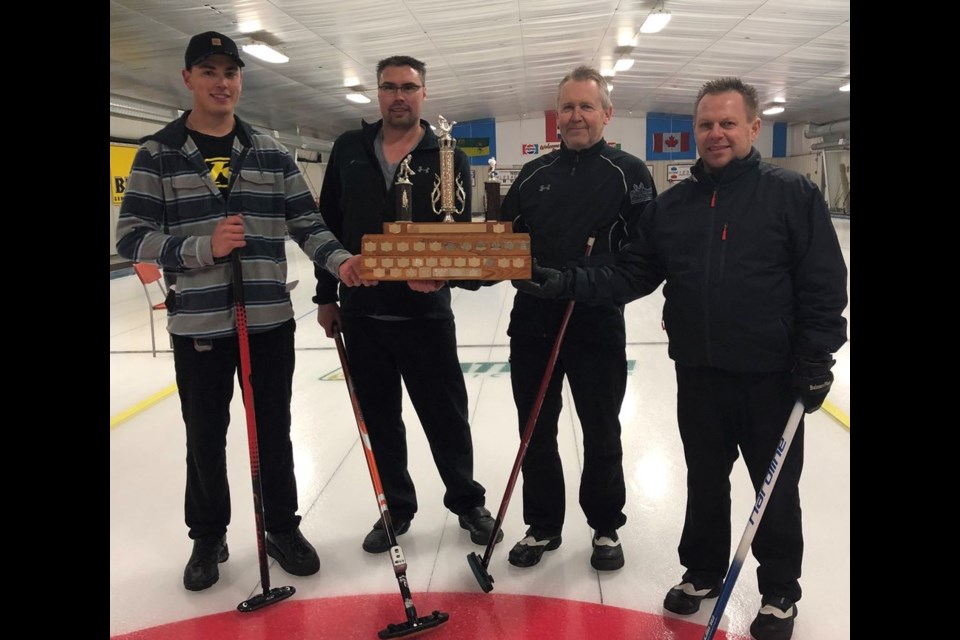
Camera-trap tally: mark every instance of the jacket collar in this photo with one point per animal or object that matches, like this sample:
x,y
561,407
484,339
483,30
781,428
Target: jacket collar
x,y
732,171
582,154
175,133
428,141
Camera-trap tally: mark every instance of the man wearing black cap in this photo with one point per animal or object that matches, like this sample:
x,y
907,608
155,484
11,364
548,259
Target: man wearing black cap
x,y
204,186
204,45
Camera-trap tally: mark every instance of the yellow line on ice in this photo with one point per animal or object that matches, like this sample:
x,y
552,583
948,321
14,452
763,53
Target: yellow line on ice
x,y
837,414
141,406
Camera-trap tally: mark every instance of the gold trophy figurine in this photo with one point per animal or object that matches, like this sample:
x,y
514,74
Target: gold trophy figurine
x,y
404,189
443,189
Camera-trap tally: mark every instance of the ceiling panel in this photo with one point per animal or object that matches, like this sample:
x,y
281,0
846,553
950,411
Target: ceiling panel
x,y
490,59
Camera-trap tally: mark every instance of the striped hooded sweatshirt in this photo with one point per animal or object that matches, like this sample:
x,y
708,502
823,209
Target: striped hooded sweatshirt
x,y
171,206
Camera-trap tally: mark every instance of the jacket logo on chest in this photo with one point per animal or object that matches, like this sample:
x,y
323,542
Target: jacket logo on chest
x,y
423,169
544,187
219,171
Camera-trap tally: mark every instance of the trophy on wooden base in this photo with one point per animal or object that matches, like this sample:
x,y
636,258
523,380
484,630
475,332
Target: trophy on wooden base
x,y
445,250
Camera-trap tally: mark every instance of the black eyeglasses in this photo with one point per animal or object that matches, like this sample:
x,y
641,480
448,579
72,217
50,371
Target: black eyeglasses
x,y
406,89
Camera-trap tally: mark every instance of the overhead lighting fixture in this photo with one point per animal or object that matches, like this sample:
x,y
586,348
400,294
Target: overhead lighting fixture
x,y
779,99
845,87
626,37
608,73
249,26
772,111
655,22
623,64
359,98
265,52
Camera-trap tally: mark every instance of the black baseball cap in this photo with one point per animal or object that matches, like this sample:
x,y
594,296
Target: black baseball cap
x,y
207,44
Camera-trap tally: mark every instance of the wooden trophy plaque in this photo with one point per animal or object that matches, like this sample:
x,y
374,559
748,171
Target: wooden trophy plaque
x,y
447,250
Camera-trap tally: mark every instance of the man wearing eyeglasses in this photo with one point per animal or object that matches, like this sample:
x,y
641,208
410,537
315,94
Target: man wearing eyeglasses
x,y
398,330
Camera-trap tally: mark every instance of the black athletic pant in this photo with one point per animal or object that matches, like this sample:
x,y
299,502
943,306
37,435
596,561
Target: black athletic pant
x,y
205,380
719,411
597,375
423,353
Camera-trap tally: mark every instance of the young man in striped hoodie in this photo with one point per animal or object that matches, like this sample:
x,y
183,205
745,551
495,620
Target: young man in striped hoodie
x,y
204,186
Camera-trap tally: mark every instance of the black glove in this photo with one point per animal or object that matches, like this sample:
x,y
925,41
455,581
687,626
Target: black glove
x,y
544,282
812,380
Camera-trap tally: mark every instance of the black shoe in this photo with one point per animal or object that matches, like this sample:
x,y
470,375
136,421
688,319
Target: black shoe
x,y
202,571
377,542
295,555
528,551
775,619
480,525
607,552
684,599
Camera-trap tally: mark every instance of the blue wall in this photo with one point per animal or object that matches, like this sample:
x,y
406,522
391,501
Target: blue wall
x,y
779,140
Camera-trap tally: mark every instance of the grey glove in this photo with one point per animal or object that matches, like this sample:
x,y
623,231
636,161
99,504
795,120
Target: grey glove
x,y
545,282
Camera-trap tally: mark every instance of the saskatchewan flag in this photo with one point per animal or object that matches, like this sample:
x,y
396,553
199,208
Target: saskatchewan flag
x,y
474,146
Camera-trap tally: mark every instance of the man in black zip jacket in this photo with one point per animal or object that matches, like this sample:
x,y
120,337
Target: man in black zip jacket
x,y
400,330
586,188
754,295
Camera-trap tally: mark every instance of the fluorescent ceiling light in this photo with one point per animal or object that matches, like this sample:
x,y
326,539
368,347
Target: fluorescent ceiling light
x,y
779,99
626,37
607,73
623,64
655,21
359,98
772,111
265,52
845,87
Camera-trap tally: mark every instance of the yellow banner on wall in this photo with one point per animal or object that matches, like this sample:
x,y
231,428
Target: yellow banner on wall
x,y
121,161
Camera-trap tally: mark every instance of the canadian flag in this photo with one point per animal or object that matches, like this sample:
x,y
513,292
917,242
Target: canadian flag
x,y
552,133
671,142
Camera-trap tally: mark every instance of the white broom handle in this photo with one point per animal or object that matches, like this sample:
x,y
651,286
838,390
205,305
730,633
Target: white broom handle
x,y
763,497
